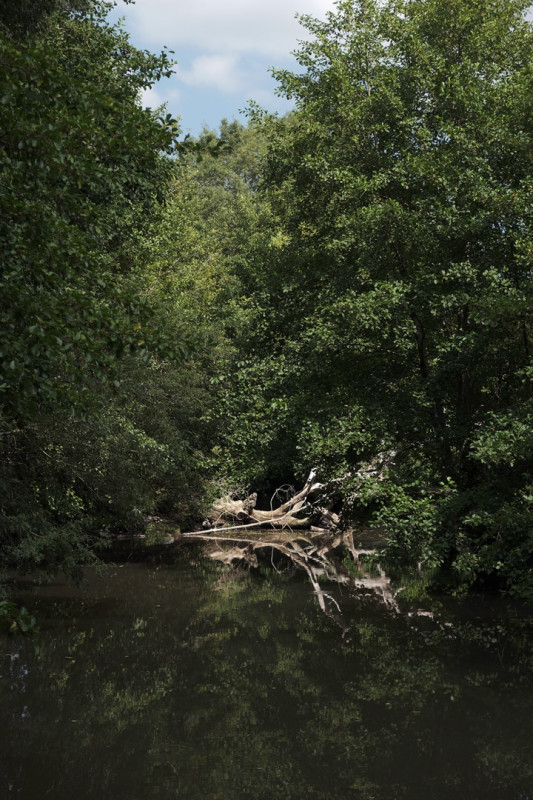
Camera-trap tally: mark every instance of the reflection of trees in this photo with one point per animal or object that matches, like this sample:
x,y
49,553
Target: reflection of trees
x,y
236,687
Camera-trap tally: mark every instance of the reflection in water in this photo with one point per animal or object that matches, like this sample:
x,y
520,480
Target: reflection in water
x,y
316,555
203,682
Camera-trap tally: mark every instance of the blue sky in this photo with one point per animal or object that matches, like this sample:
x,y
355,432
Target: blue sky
x,y
224,50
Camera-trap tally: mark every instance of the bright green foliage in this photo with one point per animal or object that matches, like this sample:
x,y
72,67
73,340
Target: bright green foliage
x,y
211,252
398,312
200,249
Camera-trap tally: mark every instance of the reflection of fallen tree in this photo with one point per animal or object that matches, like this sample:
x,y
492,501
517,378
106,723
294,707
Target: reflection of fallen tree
x,y
315,553
306,533
236,531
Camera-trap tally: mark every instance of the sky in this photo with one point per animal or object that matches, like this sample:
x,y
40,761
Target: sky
x,y
224,49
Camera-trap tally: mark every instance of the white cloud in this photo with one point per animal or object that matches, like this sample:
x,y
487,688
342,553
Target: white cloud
x,y
266,27
155,97
213,71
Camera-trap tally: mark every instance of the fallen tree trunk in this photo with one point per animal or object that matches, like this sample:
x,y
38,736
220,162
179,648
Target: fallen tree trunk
x,y
298,511
243,513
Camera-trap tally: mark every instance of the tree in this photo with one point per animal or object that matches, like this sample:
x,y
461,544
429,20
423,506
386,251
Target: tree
x,y
210,254
400,310
95,427
82,166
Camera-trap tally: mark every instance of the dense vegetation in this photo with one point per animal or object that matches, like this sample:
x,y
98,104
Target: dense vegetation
x,y
347,285
99,404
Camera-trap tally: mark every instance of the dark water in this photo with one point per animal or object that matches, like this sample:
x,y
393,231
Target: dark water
x,y
196,682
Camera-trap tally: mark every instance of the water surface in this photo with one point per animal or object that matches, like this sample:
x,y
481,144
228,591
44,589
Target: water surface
x,y
196,681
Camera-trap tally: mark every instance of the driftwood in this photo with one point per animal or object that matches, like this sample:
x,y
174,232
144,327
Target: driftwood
x,y
231,540
243,513
298,511
236,530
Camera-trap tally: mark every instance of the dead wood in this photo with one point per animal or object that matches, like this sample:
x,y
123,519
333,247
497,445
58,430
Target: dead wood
x,y
287,515
278,529
298,511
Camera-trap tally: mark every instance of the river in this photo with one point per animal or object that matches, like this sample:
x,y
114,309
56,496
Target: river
x,y
195,681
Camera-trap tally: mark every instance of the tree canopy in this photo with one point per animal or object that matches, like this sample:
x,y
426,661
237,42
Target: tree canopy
x,y
81,170
92,434
346,285
398,310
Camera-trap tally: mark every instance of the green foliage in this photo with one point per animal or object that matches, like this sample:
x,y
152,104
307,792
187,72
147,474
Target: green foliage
x,y
101,409
66,483
350,280
209,253
81,167
15,619
394,309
